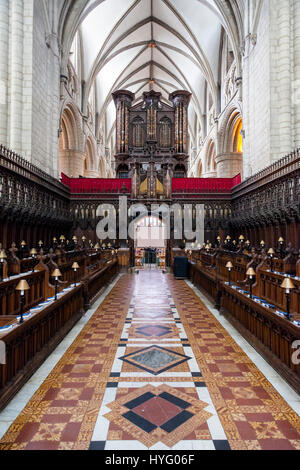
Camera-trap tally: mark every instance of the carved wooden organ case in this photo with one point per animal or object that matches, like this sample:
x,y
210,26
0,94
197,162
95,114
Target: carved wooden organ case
x,y
151,141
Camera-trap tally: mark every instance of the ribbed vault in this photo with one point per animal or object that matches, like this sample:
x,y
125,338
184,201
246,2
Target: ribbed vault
x,y
150,44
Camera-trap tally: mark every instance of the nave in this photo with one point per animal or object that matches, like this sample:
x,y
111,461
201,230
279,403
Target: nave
x,y
153,368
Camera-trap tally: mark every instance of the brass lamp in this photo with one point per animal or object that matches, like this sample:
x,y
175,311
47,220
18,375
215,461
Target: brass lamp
x,y
229,266
241,238
83,238
288,286
251,274
271,253
62,238
219,240
40,243
207,248
22,287
23,244
33,254
248,243
281,242
262,244
97,247
56,274
75,266
2,259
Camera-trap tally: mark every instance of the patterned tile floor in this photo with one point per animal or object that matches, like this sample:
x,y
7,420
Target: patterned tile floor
x,y
154,369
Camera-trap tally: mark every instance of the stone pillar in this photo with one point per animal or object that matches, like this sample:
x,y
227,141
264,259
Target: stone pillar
x,y
123,101
229,164
4,39
181,100
210,174
284,73
296,84
72,163
16,77
91,174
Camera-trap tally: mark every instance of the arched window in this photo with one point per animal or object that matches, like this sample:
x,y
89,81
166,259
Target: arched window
x,y
237,137
179,171
138,132
211,162
200,170
165,133
123,171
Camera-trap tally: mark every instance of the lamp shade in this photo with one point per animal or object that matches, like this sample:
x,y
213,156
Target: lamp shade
x,y
287,284
281,240
33,252
262,243
23,285
229,265
56,273
83,238
62,237
2,254
97,246
75,266
251,272
271,251
23,243
241,237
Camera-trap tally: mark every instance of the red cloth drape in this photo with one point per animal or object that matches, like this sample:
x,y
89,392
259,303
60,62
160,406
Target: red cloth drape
x,y
200,185
96,185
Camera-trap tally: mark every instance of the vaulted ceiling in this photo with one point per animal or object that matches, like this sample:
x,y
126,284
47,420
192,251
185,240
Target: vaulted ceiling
x,y
150,44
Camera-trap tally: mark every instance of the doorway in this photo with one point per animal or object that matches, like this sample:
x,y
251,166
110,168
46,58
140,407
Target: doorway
x,y
150,243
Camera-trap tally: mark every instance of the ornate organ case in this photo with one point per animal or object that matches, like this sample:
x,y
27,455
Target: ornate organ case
x,y
151,141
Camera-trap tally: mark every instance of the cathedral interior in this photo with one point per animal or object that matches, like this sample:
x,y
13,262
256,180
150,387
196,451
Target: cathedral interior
x,y
149,225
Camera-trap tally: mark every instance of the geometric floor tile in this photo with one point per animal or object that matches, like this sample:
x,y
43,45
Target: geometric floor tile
x,y
154,330
155,359
158,414
67,411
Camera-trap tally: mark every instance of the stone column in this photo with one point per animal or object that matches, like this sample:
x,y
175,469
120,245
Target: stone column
x,y
296,84
284,71
72,163
4,39
229,164
16,77
91,174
